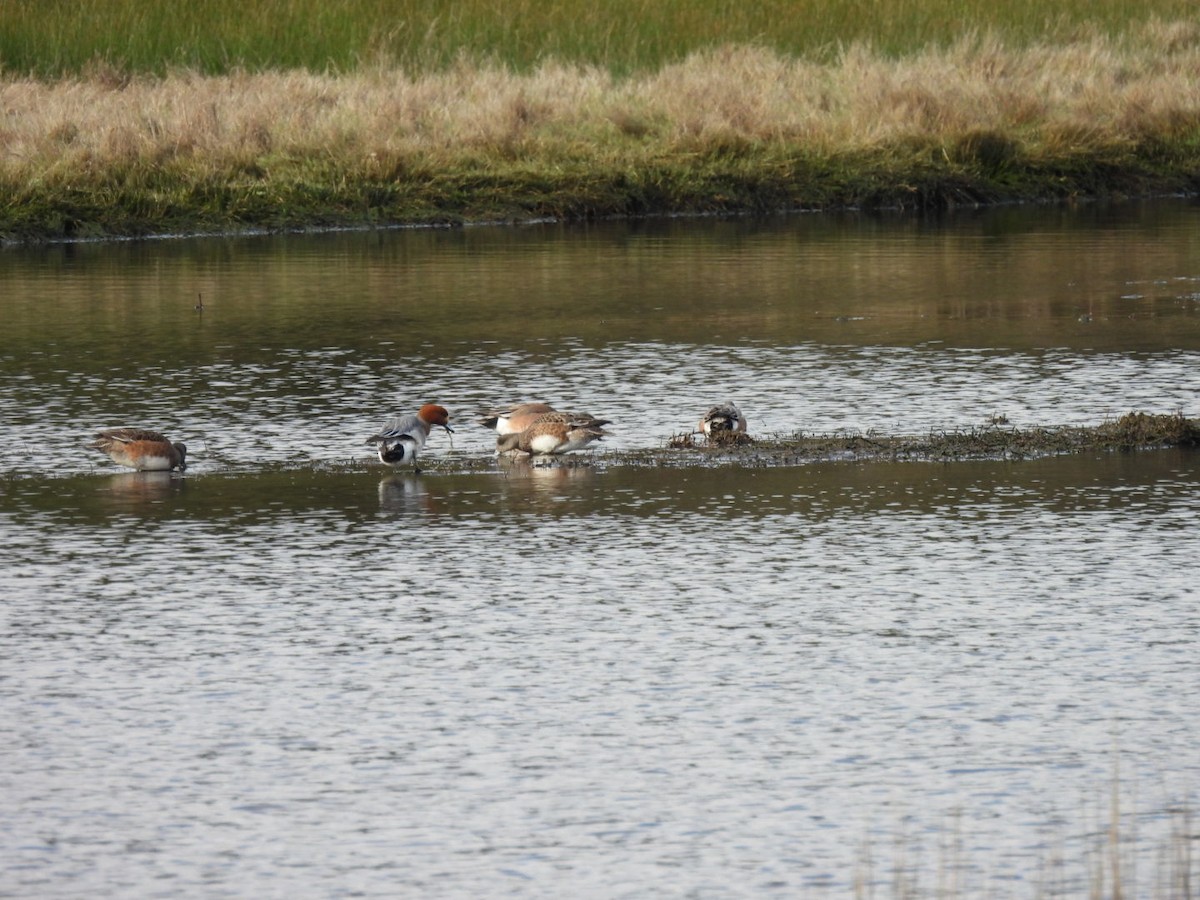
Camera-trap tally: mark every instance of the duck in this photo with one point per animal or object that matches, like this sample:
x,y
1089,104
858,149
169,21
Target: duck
x,y
514,419
554,433
141,449
402,438
725,418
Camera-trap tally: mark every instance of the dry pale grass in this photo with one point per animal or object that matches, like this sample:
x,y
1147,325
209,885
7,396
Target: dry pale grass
x,y
975,101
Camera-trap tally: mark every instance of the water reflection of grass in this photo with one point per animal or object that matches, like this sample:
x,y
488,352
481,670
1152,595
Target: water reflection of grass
x,y
936,103
1101,861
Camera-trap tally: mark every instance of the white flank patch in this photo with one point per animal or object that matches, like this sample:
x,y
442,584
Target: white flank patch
x,y
153,463
544,443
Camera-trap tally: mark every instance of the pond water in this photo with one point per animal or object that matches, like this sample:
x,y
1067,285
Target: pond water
x,y
291,671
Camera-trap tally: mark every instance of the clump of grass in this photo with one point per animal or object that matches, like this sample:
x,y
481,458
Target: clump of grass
x,y
1138,429
717,439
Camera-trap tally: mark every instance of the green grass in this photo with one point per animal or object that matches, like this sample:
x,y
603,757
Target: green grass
x,y
50,38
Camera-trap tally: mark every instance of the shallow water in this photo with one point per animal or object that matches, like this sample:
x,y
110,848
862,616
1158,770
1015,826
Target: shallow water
x,y
285,674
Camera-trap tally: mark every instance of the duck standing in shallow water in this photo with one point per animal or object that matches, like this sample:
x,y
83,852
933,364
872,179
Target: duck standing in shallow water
x,y
554,432
723,419
514,419
401,439
141,449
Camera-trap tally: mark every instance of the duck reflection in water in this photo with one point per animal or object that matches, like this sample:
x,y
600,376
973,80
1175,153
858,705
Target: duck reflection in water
x,y
135,489
404,494
533,474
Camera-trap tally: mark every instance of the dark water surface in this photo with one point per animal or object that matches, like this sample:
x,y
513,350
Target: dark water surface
x,y
290,672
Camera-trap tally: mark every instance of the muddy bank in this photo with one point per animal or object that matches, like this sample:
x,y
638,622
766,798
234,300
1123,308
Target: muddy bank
x,y
1131,432
1134,431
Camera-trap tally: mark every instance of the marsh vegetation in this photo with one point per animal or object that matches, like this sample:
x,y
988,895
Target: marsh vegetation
x,y
121,119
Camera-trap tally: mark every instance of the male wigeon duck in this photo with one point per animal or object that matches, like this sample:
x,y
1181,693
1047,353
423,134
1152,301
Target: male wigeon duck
x,y
403,437
554,432
514,419
141,449
723,419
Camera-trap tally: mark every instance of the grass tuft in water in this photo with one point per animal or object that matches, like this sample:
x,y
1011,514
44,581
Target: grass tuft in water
x,y
1144,430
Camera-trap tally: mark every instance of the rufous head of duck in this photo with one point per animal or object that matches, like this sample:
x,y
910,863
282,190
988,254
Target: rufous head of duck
x,y
432,414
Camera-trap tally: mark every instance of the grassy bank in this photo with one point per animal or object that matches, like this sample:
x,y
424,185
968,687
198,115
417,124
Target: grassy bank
x,y
735,128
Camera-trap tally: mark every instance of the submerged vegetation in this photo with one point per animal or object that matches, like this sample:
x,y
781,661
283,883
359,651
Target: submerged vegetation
x,y
122,119
1133,431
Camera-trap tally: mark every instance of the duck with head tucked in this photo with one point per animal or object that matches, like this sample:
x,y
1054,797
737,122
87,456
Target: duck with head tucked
x,y
725,419
402,438
554,433
141,449
514,419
